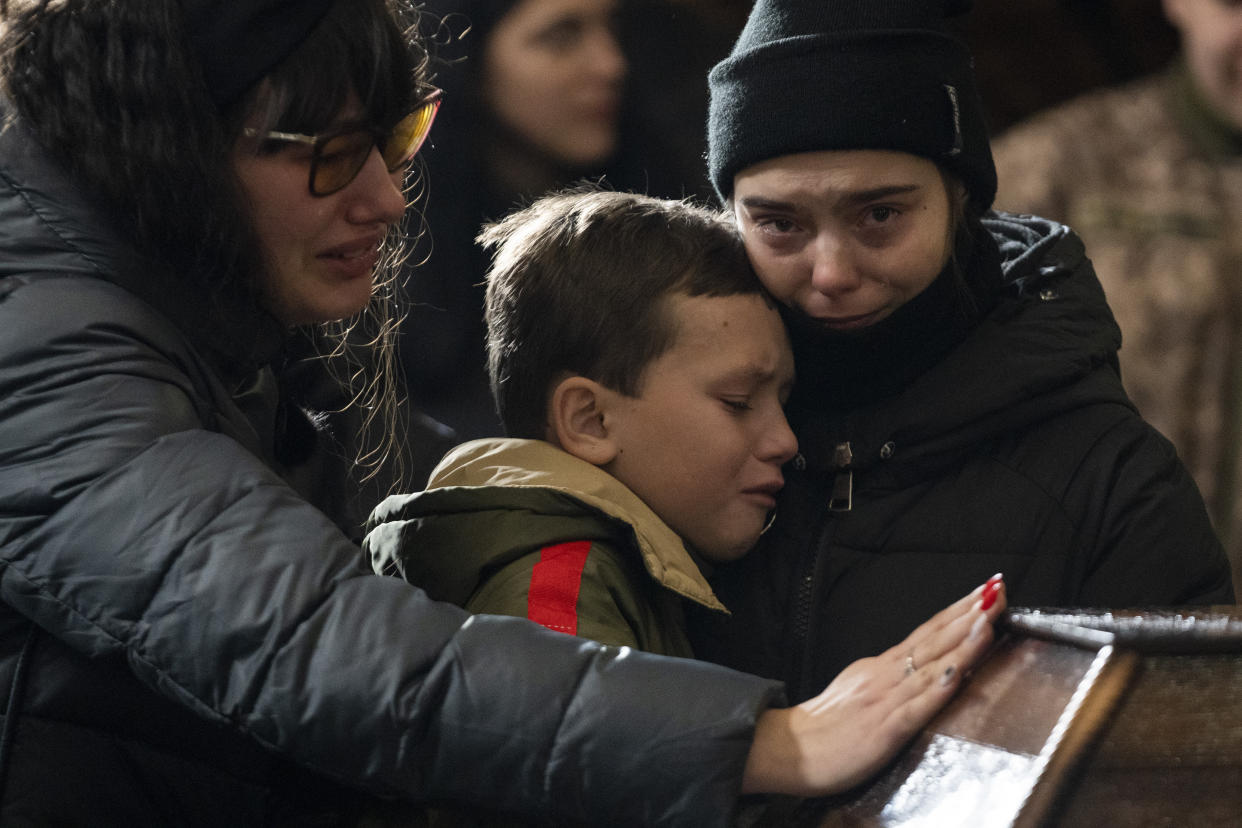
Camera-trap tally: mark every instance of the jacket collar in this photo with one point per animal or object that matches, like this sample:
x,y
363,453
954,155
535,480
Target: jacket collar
x,y
534,463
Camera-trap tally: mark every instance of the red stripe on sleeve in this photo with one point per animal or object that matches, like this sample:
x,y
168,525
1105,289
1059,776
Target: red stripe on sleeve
x,y
554,584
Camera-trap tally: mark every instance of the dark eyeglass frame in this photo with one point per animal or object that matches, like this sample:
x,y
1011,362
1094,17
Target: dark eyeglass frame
x,y
397,146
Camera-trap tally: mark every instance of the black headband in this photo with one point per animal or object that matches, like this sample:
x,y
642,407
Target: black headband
x,y
239,41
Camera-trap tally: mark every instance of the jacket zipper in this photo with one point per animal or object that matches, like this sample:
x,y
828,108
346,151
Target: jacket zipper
x,y
840,499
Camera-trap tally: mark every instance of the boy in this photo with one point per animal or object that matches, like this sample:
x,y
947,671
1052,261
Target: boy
x,y
640,370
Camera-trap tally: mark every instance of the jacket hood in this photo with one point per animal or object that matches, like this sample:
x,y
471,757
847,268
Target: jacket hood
x,y
487,483
1048,346
49,228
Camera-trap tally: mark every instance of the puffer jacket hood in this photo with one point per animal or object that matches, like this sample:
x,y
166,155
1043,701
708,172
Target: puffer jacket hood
x,y
1030,359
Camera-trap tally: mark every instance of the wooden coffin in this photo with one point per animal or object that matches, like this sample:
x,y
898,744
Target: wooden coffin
x,y
1074,719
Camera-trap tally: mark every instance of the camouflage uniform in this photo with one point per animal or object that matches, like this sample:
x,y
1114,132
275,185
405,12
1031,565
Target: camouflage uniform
x,y
1153,185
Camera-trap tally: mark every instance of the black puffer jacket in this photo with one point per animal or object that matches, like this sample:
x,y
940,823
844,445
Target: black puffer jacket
x,y
186,640
1017,452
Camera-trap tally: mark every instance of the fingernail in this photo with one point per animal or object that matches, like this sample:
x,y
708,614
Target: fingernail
x,y
947,676
995,579
977,628
990,591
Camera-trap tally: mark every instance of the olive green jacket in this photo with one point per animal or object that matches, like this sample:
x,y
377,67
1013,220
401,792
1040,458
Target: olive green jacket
x,y
507,508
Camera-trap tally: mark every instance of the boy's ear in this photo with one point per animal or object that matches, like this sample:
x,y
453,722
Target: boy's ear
x,y
576,420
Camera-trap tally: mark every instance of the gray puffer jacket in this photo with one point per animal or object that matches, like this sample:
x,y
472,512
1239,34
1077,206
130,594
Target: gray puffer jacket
x,y
186,639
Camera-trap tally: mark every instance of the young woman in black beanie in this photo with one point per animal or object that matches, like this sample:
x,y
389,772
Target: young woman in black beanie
x,y
958,403
193,193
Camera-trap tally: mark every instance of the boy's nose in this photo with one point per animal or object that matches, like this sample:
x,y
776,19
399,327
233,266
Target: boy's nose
x,y
781,444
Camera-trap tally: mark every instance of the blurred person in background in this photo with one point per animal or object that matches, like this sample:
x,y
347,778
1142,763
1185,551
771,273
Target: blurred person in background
x,y
539,91
1149,173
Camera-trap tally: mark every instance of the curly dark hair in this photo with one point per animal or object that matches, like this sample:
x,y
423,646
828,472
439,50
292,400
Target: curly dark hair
x,y
104,90
114,92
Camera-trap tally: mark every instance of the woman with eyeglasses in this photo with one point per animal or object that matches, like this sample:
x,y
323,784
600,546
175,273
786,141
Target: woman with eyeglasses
x,y
194,195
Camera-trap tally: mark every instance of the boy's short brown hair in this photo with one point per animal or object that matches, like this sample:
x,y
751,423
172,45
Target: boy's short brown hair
x,y
578,287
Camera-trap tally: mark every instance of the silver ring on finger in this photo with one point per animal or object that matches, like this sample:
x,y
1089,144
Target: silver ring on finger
x,y
911,667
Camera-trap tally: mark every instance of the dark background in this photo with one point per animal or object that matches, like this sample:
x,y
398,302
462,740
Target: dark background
x,y
1033,53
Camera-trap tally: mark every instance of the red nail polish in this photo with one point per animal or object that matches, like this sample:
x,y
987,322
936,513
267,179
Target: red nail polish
x,y
994,580
989,595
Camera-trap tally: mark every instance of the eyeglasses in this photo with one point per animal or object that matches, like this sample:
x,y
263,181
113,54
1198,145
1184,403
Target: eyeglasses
x,y
339,154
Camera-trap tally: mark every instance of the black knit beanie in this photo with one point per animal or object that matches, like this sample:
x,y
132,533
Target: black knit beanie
x,y
238,43
812,75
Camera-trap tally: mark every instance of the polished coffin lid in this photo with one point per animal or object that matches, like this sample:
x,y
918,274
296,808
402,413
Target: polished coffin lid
x,y
1074,718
